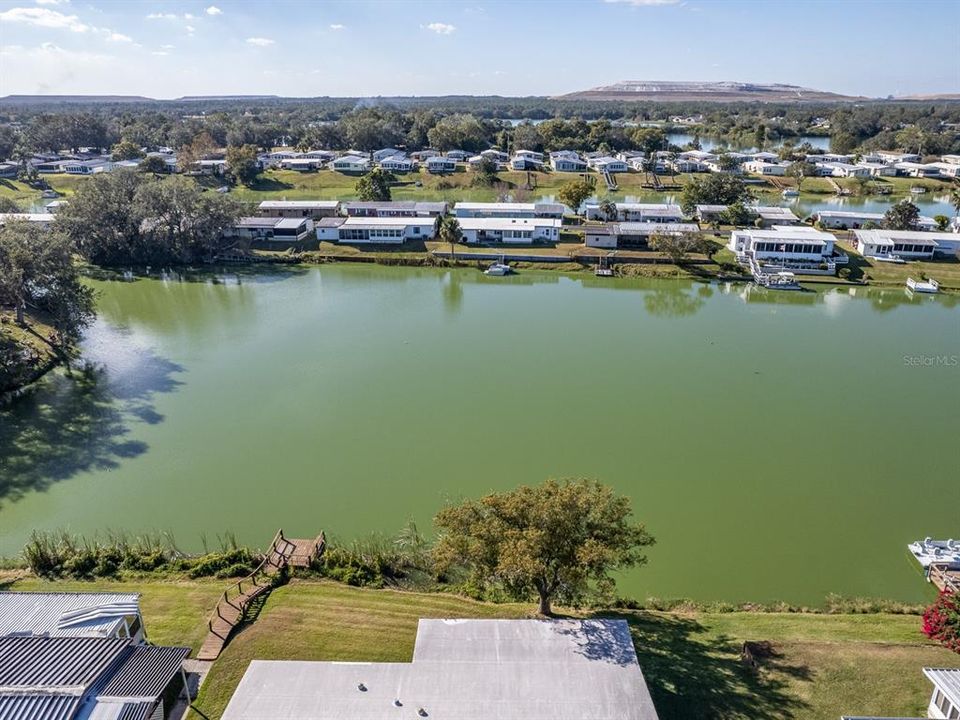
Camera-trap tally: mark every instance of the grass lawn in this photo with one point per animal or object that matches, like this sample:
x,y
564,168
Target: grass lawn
x,y
822,665
946,271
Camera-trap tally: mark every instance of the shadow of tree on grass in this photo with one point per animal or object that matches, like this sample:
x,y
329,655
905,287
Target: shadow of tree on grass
x,y
693,673
76,423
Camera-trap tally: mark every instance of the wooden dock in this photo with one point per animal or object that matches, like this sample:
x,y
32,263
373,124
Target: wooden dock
x,y
233,603
946,579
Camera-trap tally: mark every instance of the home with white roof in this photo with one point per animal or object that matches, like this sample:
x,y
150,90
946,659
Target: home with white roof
x,y
608,164
762,167
384,153
398,163
631,234
906,244
464,670
440,165
637,212
71,614
854,219
796,246
508,210
351,164
509,230
378,230
567,161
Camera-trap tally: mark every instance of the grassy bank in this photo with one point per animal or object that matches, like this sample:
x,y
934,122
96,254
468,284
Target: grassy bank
x,y
330,185
24,353
823,665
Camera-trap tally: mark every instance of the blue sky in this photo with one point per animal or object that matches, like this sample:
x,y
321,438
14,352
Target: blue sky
x,y
523,47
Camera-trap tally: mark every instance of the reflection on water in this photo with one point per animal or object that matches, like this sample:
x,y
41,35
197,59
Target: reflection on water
x,y
82,420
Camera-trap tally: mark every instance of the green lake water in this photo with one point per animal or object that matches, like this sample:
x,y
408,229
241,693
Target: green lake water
x,y
779,446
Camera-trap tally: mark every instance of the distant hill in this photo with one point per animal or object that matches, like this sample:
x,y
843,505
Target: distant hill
x,y
940,97
208,98
71,99
670,91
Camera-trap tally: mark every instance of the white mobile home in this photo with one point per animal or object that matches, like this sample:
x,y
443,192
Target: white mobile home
x,y
440,165
632,234
567,162
508,210
271,229
302,164
908,244
509,230
638,212
522,162
351,164
783,243
384,153
71,614
608,164
396,163
761,167
383,230
393,208
854,219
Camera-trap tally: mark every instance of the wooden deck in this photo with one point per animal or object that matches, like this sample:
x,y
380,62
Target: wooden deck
x,y
945,579
233,603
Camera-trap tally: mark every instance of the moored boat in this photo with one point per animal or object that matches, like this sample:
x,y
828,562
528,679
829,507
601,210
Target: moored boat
x,y
498,269
923,286
941,552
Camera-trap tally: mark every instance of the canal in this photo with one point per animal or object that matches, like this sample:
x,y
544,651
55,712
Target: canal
x,y
779,446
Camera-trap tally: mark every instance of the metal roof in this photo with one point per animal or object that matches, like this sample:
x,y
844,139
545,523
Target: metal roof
x,y
57,663
947,680
65,614
117,711
299,204
38,707
468,670
145,673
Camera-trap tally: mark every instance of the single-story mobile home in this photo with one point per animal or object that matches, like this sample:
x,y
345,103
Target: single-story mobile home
x,y
298,208
908,244
381,230
393,208
638,212
854,219
508,210
439,164
351,164
631,234
396,163
568,163
271,229
515,230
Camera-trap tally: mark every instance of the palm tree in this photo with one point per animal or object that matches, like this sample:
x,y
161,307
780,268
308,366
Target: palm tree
x,y
608,208
448,230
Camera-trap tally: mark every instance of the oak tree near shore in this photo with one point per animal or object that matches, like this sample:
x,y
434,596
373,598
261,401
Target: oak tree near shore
x,y
38,277
559,541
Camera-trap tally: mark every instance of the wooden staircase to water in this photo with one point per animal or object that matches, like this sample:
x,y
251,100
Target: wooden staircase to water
x,y
233,604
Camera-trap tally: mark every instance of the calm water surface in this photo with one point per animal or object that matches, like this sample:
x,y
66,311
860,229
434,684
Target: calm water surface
x,y
777,445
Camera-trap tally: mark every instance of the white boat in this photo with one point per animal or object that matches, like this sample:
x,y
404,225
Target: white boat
x,y
941,552
790,192
782,281
923,286
889,259
498,269
918,190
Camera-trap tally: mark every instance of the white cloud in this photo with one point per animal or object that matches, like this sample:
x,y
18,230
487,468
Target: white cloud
x,y
259,41
188,16
162,16
214,10
644,3
160,53
51,2
337,26
43,17
441,28
190,29
167,47
118,37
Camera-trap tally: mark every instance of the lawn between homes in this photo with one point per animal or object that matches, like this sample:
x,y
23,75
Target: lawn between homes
x,y
822,665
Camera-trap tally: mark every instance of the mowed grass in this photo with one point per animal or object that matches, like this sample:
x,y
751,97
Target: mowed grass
x,y
822,666
944,270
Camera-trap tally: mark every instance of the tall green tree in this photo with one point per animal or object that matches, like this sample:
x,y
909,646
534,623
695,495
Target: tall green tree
x,y
713,189
375,185
609,209
573,193
955,199
125,150
558,541
38,275
242,164
904,215
677,246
